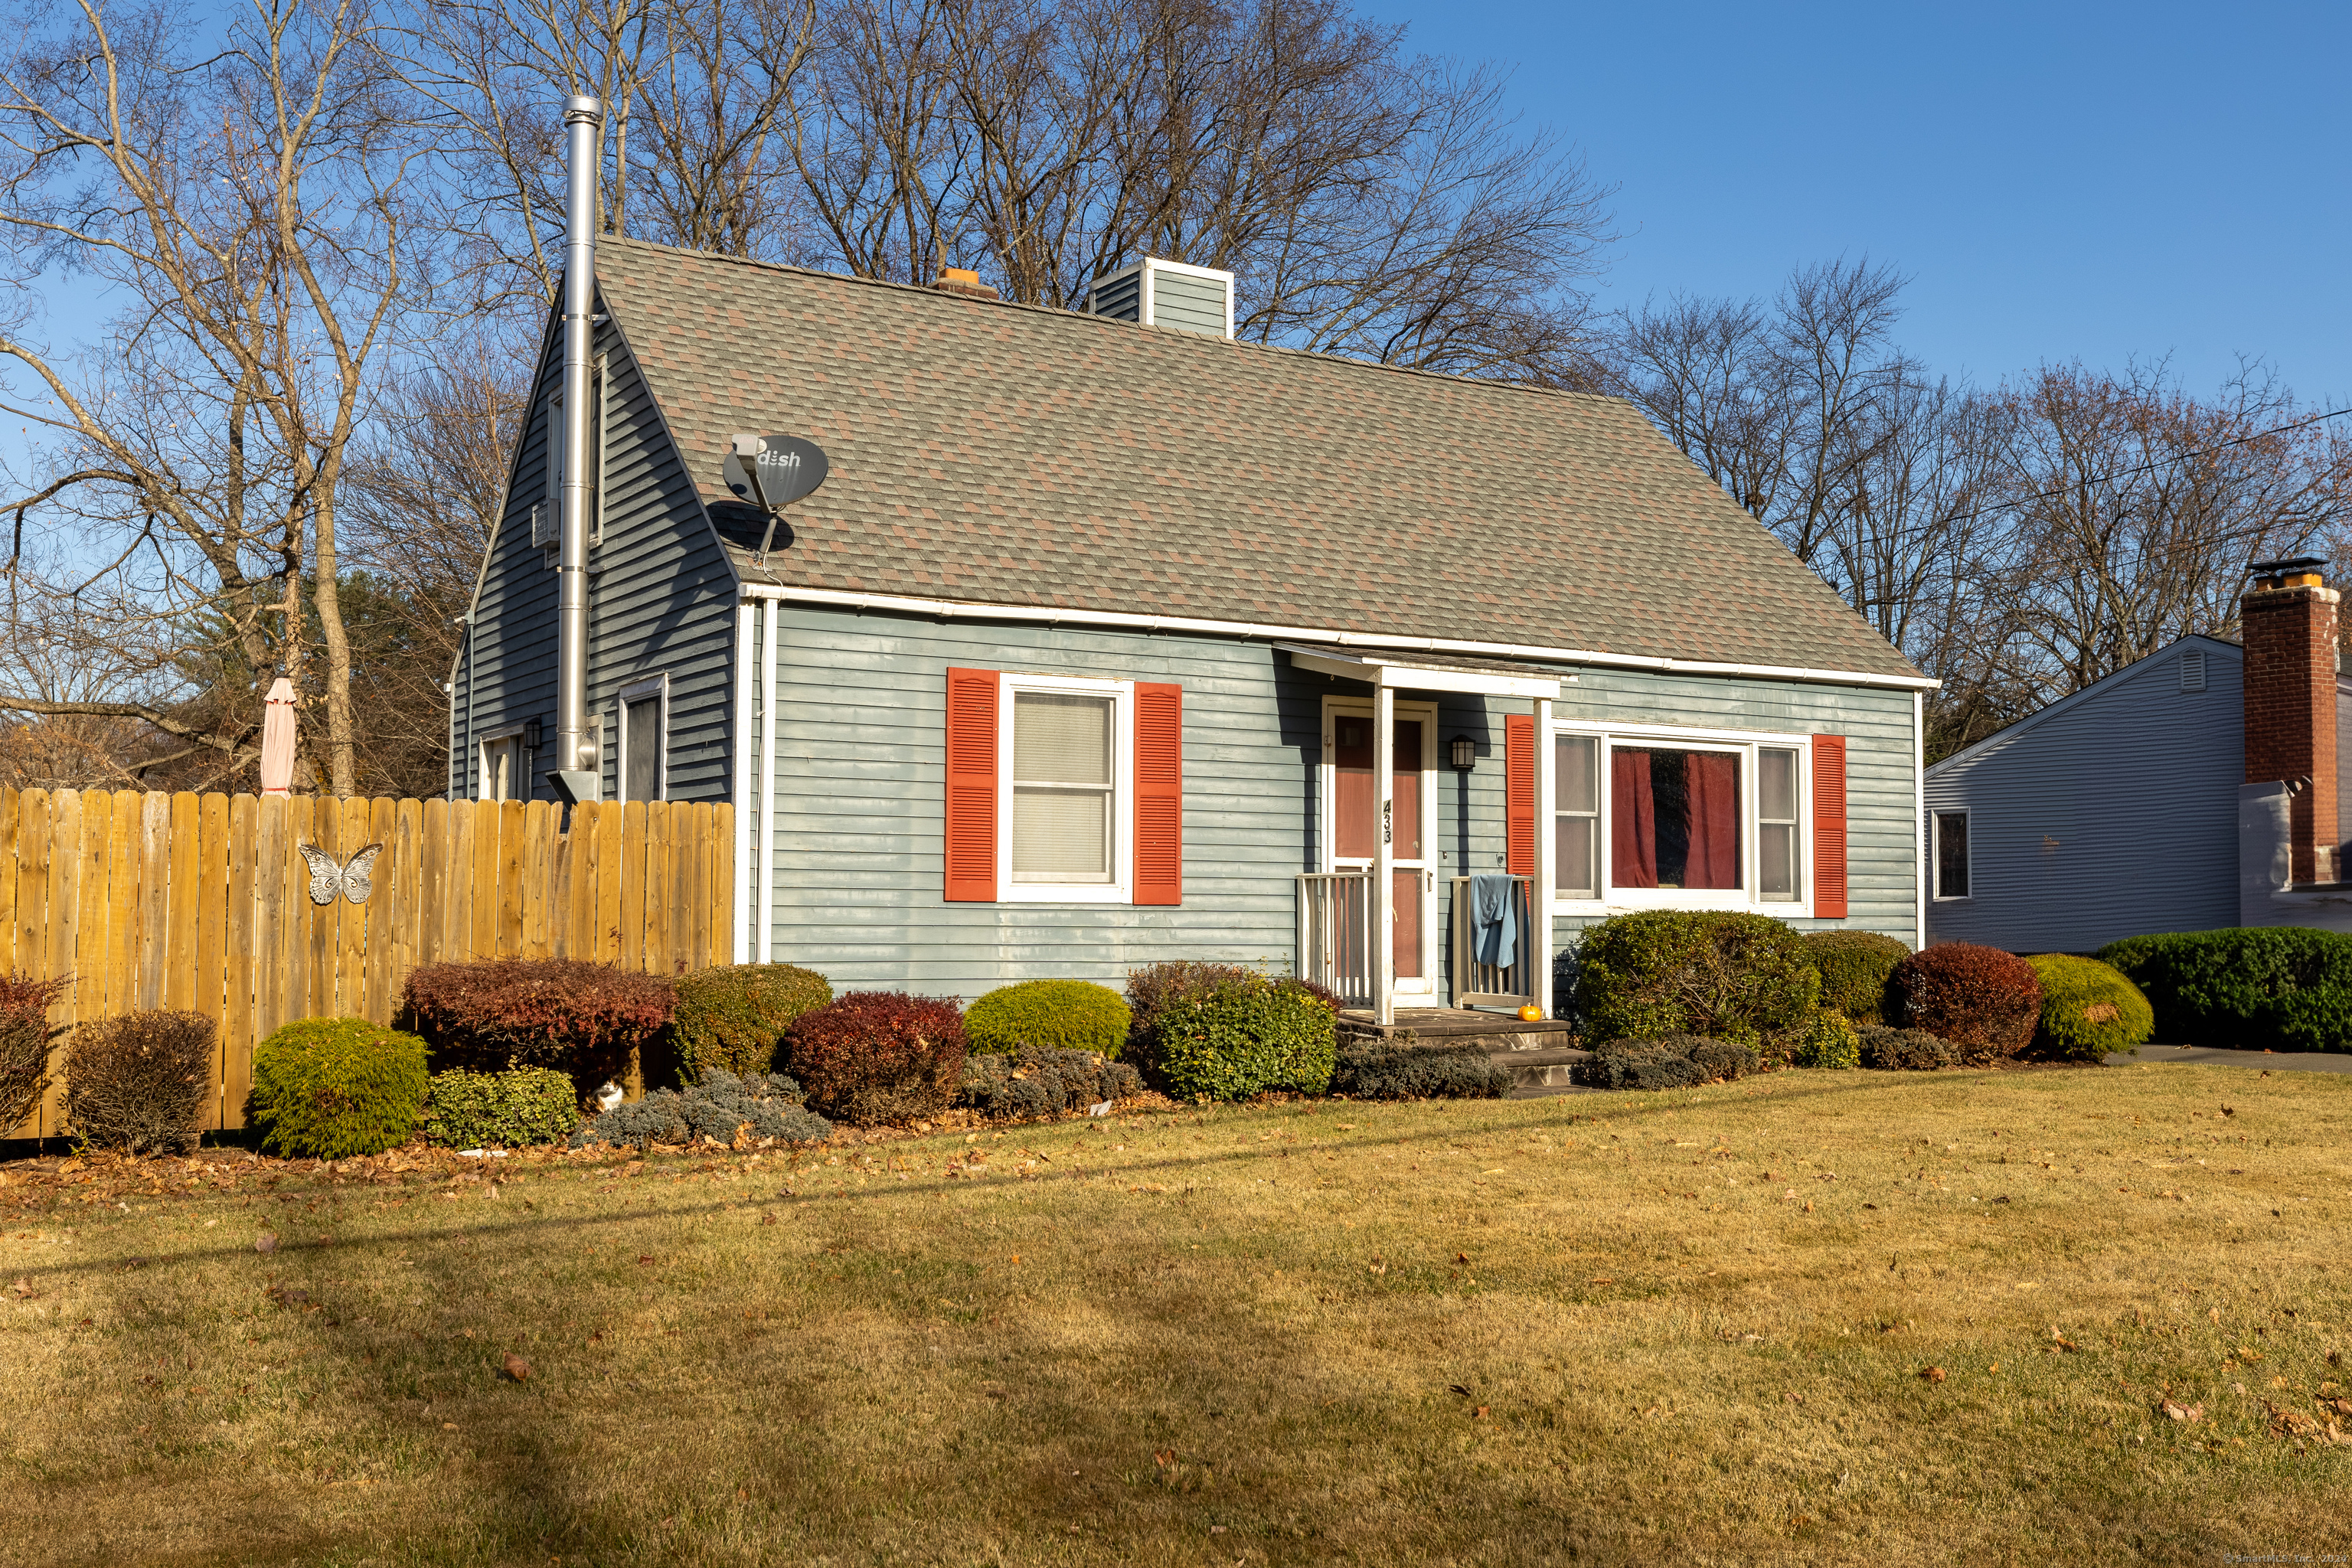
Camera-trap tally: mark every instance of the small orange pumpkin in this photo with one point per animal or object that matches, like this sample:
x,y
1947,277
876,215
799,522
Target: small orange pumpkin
x,y
1530,1013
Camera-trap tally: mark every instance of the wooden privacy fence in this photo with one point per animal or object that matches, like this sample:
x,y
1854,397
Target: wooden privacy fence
x,y
203,903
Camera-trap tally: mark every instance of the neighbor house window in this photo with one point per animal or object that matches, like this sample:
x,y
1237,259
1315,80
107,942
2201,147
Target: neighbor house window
x,y
1067,773
1951,854
1662,817
503,765
641,763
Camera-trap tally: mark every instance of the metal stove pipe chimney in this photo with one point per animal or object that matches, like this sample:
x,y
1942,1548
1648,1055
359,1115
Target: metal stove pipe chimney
x,y
577,775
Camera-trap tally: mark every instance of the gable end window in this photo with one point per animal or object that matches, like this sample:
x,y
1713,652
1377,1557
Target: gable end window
x,y
1950,854
1062,789
641,759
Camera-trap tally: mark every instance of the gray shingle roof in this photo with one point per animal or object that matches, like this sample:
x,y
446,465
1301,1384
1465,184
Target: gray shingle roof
x,y
1001,453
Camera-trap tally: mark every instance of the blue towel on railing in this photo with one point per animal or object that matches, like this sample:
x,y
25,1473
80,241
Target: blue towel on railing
x,y
1494,920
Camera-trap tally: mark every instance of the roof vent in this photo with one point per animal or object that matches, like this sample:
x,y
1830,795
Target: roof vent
x,y
963,281
1157,293
2192,669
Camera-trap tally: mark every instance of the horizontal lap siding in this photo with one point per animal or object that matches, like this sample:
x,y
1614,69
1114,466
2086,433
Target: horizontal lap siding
x,y
1190,304
661,597
509,673
857,884
860,809
2113,817
1881,807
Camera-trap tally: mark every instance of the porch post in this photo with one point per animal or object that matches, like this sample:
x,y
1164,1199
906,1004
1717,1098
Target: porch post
x,y
1383,888
1538,937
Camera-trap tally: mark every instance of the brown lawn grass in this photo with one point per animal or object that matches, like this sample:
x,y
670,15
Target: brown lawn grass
x,y
1684,1327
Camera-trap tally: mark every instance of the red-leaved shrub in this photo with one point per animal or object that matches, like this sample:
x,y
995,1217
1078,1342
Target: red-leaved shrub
x,y
875,1057
25,1039
564,1013
1984,1001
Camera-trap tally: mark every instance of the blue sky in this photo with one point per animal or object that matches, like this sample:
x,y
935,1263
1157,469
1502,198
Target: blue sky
x,y
2061,180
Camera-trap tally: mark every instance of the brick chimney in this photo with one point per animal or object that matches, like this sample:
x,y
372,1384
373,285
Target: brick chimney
x,y
2289,622
963,281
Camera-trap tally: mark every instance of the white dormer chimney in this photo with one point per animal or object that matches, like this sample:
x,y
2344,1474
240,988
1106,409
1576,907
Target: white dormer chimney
x,y
1156,293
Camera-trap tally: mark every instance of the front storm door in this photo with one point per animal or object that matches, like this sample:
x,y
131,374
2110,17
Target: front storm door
x,y
1355,819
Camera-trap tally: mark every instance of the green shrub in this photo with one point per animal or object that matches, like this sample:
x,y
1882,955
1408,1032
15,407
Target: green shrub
x,y
1402,1069
25,1037
1675,971
1050,1015
2088,1010
511,1110
877,1056
720,1105
1828,1041
1986,1002
1855,966
1668,1061
1905,1050
330,1088
733,1017
138,1082
1034,1082
1153,986
1244,1036
2257,987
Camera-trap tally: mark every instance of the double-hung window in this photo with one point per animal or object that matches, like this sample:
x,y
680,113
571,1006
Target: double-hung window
x,y
1655,817
1066,774
1951,854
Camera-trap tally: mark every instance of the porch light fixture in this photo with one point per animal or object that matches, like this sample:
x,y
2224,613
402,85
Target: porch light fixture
x,y
531,734
1465,753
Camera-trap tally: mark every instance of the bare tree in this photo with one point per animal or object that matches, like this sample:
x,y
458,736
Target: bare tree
x,y
239,192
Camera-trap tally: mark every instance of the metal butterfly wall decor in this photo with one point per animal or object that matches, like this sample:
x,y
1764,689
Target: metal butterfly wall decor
x,y
349,878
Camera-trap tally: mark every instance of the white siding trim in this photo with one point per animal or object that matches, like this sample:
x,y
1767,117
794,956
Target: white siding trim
x,y
768,717
946,609
1919,814
747,898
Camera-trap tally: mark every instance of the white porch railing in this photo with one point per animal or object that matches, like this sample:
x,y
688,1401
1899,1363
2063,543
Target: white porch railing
x,y
1513,984
1335,933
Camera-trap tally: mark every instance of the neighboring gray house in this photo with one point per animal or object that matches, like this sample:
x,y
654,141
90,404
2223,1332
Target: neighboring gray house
x,y
1078,659
2136,806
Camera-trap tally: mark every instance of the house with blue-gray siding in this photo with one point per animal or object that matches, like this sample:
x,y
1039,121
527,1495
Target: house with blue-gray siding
x,y
2192,790
1109,639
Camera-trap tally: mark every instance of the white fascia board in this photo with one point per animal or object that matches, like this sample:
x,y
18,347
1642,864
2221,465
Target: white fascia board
x,y
1406,677
952,610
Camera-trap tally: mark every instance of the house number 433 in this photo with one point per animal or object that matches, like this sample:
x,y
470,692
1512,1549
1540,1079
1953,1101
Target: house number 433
x,y
1388,823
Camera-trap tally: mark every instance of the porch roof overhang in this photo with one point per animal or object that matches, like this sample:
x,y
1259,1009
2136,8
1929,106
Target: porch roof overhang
x,y
1428,672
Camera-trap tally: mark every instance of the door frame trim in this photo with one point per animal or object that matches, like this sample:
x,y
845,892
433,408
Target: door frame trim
x,y
1327,811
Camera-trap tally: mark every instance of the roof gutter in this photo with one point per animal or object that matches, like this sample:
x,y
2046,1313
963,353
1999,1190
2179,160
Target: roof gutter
x,y
949,609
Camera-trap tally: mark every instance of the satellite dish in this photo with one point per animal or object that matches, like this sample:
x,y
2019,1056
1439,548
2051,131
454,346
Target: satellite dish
x,y
773,472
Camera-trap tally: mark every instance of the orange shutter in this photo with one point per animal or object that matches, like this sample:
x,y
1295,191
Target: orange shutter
x,y
970,857
1829,827
1520,794
1158,794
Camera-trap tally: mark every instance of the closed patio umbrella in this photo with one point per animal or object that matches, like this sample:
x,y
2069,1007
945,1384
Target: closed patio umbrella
x,y
278,739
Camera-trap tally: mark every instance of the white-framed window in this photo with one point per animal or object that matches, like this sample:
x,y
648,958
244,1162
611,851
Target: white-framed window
x,y
1948,854
1065,783
547,518
1657,817
504,766
641,756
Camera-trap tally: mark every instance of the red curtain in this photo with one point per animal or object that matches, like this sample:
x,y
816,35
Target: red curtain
x,y
1712,781
1633,832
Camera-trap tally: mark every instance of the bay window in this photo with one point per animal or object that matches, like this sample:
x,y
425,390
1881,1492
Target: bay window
x,y
1663,818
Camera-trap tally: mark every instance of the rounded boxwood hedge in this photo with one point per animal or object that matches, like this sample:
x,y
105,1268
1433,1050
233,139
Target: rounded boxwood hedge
x,y
2286,988
730,1018
1676,972
1855,966
1049,1015
1828,1040
2088,1009
513,1110
331,1088
1244,1036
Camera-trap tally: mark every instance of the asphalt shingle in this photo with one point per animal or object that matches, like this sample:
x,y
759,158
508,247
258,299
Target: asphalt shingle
x,y
1000,453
